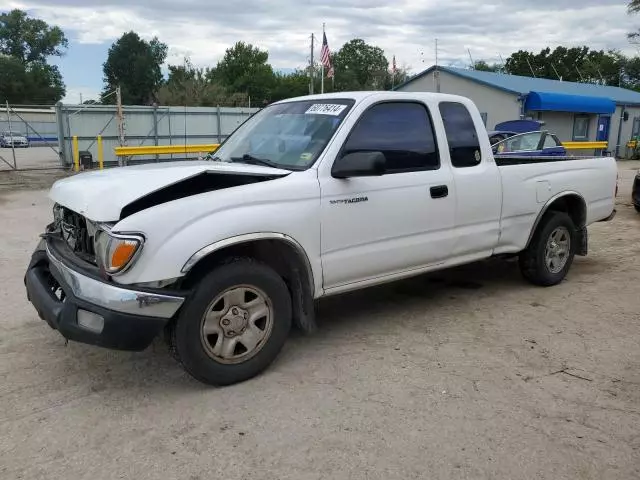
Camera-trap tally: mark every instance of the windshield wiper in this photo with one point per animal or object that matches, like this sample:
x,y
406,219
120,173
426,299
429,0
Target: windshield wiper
x,y
251,160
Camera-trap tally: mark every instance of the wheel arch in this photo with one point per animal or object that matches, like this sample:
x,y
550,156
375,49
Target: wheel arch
x,y
281,252
573,204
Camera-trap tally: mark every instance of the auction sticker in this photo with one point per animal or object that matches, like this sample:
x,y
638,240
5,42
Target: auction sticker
x,y
326,109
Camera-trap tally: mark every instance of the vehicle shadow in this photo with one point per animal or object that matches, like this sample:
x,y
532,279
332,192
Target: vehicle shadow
x,y
353,313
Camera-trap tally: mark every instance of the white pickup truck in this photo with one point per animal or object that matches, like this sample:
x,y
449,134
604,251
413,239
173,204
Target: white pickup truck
x,y
310,197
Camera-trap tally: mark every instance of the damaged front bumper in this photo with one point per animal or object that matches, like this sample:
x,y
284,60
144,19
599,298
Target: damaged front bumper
x,y
86,308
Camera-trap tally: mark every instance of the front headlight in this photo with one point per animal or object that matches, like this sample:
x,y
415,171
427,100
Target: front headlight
x,y
116,252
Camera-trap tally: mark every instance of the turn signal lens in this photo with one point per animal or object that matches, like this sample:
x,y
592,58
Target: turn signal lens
x,y
115,252
123,253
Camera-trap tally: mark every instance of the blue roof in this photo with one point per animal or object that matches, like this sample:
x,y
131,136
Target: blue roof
x,y
523,85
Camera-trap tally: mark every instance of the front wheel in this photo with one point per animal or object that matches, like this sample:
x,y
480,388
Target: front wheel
x,y
235,323
549,256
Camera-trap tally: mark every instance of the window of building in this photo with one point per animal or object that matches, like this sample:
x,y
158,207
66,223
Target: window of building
x,y
636,127
581,127
462,136
402,131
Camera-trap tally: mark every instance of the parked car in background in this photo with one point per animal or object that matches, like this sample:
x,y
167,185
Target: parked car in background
x,y
635,192
13,139
538,144
496,136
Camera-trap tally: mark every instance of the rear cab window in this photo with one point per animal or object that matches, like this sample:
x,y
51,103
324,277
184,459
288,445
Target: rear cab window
x,y
462,135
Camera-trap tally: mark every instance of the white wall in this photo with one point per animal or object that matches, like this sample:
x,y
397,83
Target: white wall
x,y
627,127
500,106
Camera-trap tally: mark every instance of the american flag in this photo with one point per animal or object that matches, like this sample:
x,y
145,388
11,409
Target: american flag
x,y
325,56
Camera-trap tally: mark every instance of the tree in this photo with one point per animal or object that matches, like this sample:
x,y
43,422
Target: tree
x,y
245,69
633,7
192,86
291,85
30,39
25,45
13,79
483,66
359,66
134,65
577,64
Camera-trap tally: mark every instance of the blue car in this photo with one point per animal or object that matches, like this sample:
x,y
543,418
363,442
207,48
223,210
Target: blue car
x,y
496,136
535,144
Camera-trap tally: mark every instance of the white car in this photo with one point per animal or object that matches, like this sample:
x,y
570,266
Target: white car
x,y
310,197
13,139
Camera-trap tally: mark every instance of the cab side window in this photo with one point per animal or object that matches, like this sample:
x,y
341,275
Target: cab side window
x,y
462,136
402,131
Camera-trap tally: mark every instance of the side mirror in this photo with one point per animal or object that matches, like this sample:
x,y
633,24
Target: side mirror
x,y
359,164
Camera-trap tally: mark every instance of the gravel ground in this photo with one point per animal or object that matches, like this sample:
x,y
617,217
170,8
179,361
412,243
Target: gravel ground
x,y
465,374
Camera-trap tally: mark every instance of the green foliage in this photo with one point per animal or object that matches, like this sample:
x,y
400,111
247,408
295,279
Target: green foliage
x,y
191,86
134,65
13,80
292,85
483,66
25,45
578,64
29,39
360,66
245,69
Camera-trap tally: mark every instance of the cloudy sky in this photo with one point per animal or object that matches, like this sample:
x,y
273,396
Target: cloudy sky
x,y
203,29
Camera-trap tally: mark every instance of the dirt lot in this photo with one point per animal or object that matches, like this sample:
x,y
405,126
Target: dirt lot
x,y
469,374
35,157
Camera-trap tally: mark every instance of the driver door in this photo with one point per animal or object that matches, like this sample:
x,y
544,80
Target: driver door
x,y
378,226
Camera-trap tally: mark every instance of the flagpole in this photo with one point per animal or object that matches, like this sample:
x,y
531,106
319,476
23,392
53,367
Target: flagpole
x,y
322,65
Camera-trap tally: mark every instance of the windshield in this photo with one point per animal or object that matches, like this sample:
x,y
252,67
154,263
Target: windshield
x,y
287,135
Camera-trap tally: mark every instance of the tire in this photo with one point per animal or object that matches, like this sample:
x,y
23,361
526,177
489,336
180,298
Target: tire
x,y
534,263
637,207
232,297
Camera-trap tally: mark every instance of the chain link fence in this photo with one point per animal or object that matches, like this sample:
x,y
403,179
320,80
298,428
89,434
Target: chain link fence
x,y
28,138
143,126
36,137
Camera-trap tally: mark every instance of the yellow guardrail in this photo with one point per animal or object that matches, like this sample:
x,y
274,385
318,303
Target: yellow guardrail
x,y
164,149
585,145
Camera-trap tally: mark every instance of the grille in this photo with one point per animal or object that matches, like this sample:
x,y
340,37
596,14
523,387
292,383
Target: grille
x,y
74,230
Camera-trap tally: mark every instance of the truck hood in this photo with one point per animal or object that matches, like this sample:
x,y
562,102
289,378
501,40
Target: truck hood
x,y
102,195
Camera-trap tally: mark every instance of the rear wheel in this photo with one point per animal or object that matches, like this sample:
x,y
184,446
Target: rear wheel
x,y
548,257
235,323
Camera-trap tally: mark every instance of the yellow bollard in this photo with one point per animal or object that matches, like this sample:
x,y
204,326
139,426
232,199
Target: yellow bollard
x,y
100,153
76,154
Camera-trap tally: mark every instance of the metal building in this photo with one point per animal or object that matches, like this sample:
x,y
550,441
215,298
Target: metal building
x,y
573,111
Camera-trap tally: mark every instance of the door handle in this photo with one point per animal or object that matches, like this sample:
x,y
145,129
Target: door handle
x,y
439,191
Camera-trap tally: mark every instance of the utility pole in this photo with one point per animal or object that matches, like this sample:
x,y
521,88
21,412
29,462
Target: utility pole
x,y
311,69
120,115
473,65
